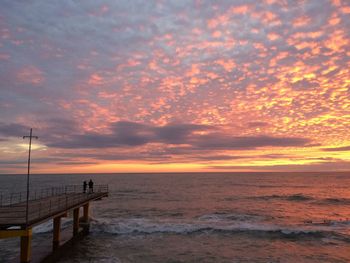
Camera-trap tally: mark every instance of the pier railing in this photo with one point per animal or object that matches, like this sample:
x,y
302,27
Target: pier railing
x,y
44,202
14,198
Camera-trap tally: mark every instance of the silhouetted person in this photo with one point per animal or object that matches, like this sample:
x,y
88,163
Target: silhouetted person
x,y
91,186
84,187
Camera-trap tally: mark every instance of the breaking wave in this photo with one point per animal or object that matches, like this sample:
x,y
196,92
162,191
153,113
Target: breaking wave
x,y
47,227
210,224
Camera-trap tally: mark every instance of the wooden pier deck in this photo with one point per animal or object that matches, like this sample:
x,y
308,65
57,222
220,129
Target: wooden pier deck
x,y
43,205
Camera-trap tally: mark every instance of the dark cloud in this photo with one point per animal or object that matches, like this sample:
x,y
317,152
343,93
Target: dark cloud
x,y
189,154
257,124
222,141
135,134
132,134
76,163
178,133
12,162
335,166
277,156
218,157
305,84
123,156
337,149
13,130
34,159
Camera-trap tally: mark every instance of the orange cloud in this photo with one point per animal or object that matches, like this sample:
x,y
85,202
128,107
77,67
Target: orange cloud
x,y
345,9
301,21
273,36
228,65
243,9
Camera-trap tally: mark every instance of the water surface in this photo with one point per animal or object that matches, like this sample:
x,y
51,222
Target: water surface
x,y
207,217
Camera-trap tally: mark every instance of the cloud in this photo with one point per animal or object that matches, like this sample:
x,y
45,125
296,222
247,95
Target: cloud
x,y
34,159
177,80
257,124
76,163
31,75
219,157
337,149
133,134
13,130
335,166
124,133
179,133
305,84
221,141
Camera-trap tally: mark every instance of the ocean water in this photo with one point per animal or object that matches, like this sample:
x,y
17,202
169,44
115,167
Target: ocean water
x,y
206,217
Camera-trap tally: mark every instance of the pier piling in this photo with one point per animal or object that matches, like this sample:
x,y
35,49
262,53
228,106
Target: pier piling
x,y
86,213
26,246
76,221
56,232
17,221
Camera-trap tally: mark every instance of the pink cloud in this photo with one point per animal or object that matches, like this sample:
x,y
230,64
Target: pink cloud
x,y
31,74
96,80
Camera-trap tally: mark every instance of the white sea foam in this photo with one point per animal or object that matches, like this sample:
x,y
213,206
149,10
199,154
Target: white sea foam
x,y
47,226
135,226
222,217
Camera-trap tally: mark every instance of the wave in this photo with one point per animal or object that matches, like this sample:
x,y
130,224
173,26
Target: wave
x,y
305,198
143,226
223,216
293,197
328,222
334,201
47,227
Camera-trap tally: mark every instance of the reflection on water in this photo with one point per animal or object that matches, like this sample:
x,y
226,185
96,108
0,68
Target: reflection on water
x,y
247,217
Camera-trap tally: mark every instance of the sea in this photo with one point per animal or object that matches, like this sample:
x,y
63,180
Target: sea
x,y
204,217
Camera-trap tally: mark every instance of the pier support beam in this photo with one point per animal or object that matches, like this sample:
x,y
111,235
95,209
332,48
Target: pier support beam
x,y
86,212
85,219
26,246
75,221
56,232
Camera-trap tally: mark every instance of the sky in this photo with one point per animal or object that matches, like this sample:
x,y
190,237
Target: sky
x,y
175,86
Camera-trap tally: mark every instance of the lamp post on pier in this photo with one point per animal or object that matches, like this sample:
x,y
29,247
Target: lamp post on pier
x,y
30,148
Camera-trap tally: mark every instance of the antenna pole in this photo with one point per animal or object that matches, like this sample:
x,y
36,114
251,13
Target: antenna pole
x,y
28,172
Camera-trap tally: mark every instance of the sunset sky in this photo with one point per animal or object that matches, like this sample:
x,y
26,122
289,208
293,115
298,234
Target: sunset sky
x,y
173,86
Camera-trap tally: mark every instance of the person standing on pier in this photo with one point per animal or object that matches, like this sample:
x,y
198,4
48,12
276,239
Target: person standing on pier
x,y
91,186
84,187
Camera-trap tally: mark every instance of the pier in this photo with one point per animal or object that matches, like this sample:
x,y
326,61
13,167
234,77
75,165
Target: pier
x,y
17,217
